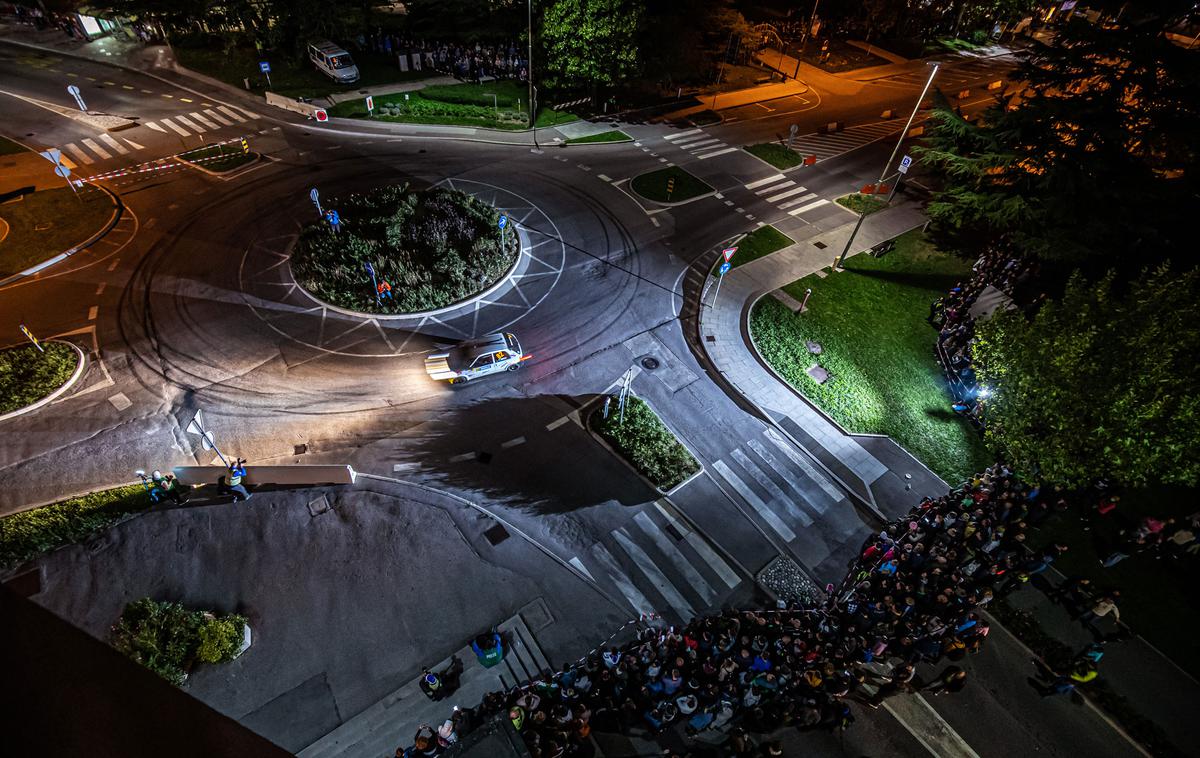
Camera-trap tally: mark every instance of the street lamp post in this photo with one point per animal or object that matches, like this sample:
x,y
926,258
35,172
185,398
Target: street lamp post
x,y
837,262
532,89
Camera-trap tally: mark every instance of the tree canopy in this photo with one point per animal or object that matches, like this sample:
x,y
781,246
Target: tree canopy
x,y
591,44
1099,385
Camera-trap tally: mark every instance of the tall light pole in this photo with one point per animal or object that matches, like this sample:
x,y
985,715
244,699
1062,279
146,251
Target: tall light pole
x,y
532,89
837,262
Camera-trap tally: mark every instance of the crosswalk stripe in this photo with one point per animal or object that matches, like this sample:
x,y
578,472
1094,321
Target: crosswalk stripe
x,y
95,148
155,127
755,502
677,135
804,465
702,142
760,182
218,117
797,201
775,187
133,144
809,207
231,113
203,120
786,193
817,505
108,140
176,128
764,481
655,575
83,157
190,124
636,599
668,548
706,156
582,568
701,546
249,113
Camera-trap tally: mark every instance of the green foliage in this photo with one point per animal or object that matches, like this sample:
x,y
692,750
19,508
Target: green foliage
x,y
1099,384
434,248
878,349
168,638
591,44
613,135
762,241
646,443
27,374
776,154
461,104
30,533
860,203
45,223
653,185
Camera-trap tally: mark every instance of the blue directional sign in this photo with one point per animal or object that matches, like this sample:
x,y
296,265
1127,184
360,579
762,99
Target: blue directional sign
x,y
724,268
333,217
62,170
264,66
370,269
503,222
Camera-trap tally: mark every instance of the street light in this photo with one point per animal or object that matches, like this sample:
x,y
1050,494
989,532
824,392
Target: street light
x,y
837,262
532,89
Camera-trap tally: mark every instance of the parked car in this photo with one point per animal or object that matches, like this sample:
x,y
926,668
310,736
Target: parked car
x,y
333,61
476,358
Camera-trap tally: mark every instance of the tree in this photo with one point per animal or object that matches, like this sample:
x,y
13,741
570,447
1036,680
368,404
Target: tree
x,y
1095,162
591,44
1100,385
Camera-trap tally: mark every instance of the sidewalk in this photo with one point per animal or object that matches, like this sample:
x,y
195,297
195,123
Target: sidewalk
x,y
877,470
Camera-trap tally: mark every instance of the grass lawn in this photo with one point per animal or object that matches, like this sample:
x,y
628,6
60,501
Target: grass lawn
x,y
27,374
46,223
878,348
646,443
8,147
860,203
776,154
654,185
219,157
457,104
838,56
613,135
1160,599
762,241
290,78
28,534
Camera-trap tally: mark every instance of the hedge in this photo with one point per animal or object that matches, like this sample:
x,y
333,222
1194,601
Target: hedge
x,y
27,374
169,639
644,441
31,533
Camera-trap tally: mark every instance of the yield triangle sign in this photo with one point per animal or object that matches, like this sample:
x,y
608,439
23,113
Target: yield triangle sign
x,y
197,424
53,154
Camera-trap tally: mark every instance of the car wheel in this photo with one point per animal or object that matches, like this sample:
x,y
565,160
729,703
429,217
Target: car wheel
x,y
513,367
459,380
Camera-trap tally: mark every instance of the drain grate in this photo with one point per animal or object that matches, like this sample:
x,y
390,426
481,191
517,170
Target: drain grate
x,y
496,534
710,338
820,245
649,363
301,449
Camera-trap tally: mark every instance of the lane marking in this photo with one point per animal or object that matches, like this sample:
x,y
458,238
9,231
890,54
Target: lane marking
x,y
133,144
462,457
706,156
108,140
761,182
95,309
582,568
185,100
655,575
218,117
673,554
155,127
809,207
701,546
786,193
83,157
95,148
176,128
100,288
513,442
747,494
203,120
190,124
112,266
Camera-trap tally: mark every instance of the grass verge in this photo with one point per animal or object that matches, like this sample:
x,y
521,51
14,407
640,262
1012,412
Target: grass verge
x,y
218,158
657,185
46,223
31,533
494,105
775,154
762,241
878,348
613,135
646,443
860,203
27,374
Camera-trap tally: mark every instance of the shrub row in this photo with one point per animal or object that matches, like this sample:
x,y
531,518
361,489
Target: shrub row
x,y
28,534
28,375
644,441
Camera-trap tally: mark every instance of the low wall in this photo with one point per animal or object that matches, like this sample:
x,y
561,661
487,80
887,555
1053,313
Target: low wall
x,y
286,475
291,104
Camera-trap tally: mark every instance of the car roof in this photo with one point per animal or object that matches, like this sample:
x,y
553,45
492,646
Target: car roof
x,y
327,47
488,344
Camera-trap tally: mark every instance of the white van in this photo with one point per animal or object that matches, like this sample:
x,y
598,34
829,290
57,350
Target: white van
x,y
333,61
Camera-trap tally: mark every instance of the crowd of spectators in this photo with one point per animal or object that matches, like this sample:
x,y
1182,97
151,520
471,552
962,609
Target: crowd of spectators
x,y
469,62
913,596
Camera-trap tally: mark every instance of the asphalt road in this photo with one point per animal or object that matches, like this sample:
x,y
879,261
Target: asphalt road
x,y
191,306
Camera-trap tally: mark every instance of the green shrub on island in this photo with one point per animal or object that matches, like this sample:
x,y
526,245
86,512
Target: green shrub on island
x,y
169,639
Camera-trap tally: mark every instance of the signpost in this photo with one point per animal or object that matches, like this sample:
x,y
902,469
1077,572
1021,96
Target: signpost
x,y
265,67
196,426
54,155
792,134
316,199
73,91
29,334
721,272
370,104
503,224
374,283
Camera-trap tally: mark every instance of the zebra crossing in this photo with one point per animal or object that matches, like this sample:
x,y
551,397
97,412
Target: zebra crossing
x,y
660,566
786,194
103,147
699,143
826,146
950,78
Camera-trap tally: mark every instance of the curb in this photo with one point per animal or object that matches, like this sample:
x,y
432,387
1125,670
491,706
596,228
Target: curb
x,y
227,172
677,203
79,366
118,212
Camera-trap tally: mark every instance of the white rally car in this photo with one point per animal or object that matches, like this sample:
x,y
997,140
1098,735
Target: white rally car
x,y
476,358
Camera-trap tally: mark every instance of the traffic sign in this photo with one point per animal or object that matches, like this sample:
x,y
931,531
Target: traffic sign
x,y
905,162
264,66
320,115
52,154
73,91
728,252
503,222
62,171
370,269
793,129
725,268
316,199
370,103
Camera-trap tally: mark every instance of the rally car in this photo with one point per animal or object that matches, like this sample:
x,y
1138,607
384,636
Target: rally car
x,y
476,358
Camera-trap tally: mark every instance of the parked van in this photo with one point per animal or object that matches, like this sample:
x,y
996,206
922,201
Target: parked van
x,y
333,61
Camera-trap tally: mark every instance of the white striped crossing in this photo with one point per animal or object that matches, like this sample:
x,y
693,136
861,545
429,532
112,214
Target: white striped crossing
x,y
176,128
796,201
203,121
232,113
809,207
95,148
755,502
108,140
817,505
218,118
80,155
702,548
677,558
722,151
764,481
786,193
636,599
155,127
190,124
659,580
677,135
804,465
768,180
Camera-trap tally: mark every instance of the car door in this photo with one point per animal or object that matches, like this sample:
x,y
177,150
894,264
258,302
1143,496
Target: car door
x,y
483,365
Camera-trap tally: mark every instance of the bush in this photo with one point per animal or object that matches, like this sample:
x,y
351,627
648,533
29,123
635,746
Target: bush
x,y
27,374
646,443
28,534
168,638
434,248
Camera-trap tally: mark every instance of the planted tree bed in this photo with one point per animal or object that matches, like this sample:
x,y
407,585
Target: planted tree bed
x,y
27,374
646,443
433,248
169,639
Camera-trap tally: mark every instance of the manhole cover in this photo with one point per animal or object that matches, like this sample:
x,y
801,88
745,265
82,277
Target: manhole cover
x,y
820,245
649,363
496,534
813,347
301,449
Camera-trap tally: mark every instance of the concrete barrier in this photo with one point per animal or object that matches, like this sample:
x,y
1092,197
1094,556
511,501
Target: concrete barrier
x,y
916,131
285,475
888,114
291,104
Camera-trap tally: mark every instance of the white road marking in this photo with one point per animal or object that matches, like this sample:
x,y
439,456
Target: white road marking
x,y
804,465
773,462
92,312
133,144
582,568
655,575
155,127
462,457
701,546
809,207
190,124
640,604
764,481
775,188
786,193
767,515
761,182
219,118
797,201
108,140
513,442
176,128
95,148
203,120
83,157
706,156
677,135
231,113
668,548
